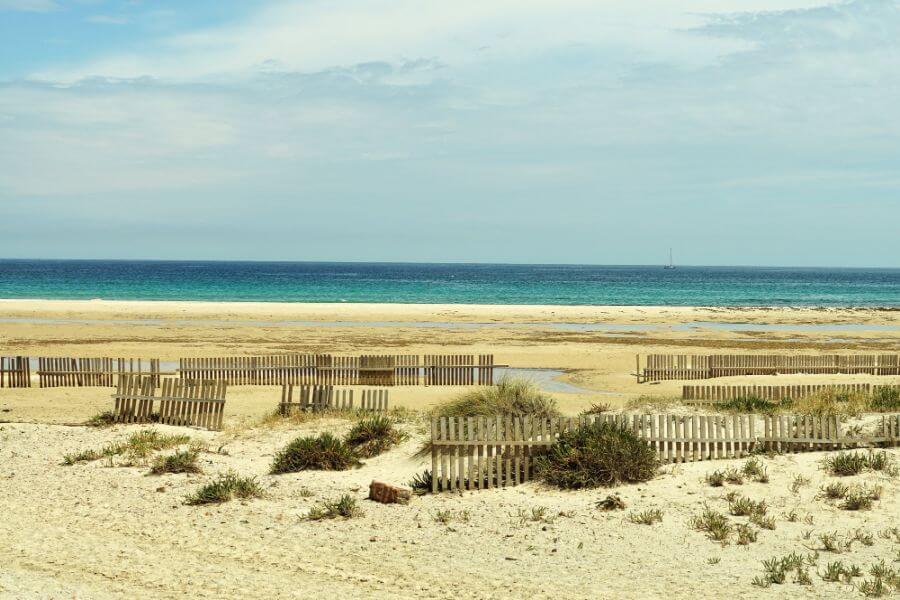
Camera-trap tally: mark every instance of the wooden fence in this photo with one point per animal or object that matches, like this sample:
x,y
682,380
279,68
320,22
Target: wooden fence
x,y
314,398
84,372
180,402
660,367
15,372
712,394
485,452
325,369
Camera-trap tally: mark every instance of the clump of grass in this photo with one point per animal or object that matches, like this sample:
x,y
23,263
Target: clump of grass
x,y
745,534
106,418
374,435
597,454
538,514
744,507
324,452
885,399
446,517
874,588
647,403
860,497
611,502
597,409
755,470
344,507
510,396
226,487
762,521
831,402
183,461
716,478
844,464
647,517
753,404
713,523
136,448
421,482
777,569
831,542
834,491
798,482
734,476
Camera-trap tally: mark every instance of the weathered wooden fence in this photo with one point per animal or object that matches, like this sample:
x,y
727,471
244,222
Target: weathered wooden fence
x,y
660,367
485,452
180,402
325,369
15,372
315,398
712,394
84,372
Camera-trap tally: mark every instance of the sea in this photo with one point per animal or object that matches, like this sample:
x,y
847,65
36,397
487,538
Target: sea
x,y
423,283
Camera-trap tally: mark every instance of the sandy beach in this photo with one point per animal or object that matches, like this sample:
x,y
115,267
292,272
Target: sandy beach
x,y
99,531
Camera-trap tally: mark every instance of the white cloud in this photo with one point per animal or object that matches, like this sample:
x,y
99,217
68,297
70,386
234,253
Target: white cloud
x,y
108,20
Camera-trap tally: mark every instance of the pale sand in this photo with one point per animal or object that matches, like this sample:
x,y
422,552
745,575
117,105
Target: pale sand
x,y
102,532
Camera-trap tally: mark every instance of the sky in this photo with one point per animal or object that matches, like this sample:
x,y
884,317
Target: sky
x,y
739,132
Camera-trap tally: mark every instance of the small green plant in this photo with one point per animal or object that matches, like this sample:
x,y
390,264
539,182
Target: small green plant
x,y
734,476
183,461
863,537
874,588
538,514
860,498
597,454
713,560
831,542
226,487
744,507
853,463
344,507
446,517
421,483
647,517
755,470
106,418
374,435
798,482
324,452
745,534
136,448
833,571
791,517
762,521
716,478
834,491
611,502
713,523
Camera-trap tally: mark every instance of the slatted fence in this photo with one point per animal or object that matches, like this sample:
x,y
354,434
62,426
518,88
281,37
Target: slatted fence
x,y
316,398
485,452
712,394
661,367
180,402
84,372
15,372
325,369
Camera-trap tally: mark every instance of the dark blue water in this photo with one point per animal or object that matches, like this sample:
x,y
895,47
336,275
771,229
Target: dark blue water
x,y
447,283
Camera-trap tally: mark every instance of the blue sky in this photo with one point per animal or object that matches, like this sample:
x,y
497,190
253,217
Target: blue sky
x,y
759,132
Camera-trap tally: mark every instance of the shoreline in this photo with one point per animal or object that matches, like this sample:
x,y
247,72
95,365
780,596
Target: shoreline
x,y
462,313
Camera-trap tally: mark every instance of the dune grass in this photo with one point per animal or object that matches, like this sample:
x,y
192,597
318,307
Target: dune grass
x,y
135,449
510,396
225,488
345,507
372,436
597,454
324,452
182,461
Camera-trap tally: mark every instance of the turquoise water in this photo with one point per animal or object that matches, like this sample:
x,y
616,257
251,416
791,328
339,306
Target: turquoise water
x,y
448,283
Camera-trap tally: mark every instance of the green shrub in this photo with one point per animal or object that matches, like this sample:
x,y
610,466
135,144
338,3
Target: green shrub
x,y
226,487
713,523
860,498
846,463
597,454
744,507
421,483
647,517
183,461
106,418
885,399
324,452
753,404
374,435
746,534
344,507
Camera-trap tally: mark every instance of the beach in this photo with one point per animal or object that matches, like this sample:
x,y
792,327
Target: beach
x,y
99,531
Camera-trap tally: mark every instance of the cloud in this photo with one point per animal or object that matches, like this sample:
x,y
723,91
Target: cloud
x,y
108,20
29,5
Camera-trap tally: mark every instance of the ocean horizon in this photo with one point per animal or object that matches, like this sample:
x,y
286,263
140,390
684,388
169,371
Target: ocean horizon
x,y
447,283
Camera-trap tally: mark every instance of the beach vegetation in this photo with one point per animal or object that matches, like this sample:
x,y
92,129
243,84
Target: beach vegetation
x,y
345,507
225,488
182,461
597,454
372,436
713,523
611,502
324,452
647,517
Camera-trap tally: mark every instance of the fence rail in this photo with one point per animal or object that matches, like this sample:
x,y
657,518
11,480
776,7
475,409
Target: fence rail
x,y
180,402
662,367
315,398
85,372
712,394
485,452
325,369
15,372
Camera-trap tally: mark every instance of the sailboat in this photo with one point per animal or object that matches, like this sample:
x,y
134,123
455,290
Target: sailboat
x,y
671,264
